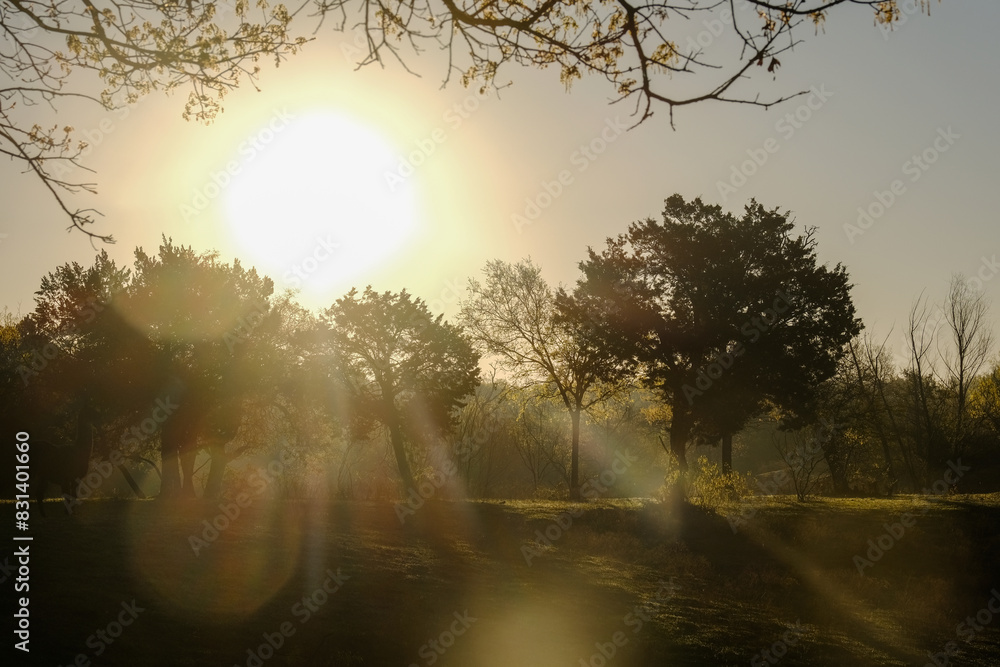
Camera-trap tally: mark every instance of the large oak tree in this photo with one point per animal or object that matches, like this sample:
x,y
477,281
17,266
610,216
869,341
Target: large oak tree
x,y
726,316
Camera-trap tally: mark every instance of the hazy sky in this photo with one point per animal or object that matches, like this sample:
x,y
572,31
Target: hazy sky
x,y
305,179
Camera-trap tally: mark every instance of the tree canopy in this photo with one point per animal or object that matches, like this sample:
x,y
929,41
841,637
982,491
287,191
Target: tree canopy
x,y
203,319
401,367
646,51
724,315
181,330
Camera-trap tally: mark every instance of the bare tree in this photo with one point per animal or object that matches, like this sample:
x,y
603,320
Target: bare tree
x,y
921,333
967,317
874,373
985,399
540,439
481,435
803,457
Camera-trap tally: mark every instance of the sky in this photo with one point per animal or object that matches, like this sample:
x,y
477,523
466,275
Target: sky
x,y
331,177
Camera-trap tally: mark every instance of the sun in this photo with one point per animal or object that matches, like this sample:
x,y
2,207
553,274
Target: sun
x,y
312,202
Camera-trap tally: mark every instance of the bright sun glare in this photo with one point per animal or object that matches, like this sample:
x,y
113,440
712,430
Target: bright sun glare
x,y
311,206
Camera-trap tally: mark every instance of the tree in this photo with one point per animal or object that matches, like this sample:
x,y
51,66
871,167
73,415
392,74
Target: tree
x,y
263,402
539,438
143,45
134,47
57,354
797,452
401,367
178,328
925,426
66,328
483,431
637,47
984,402
966,316
163,341
204,320
870,383
941,385
865,448
514,317
724,316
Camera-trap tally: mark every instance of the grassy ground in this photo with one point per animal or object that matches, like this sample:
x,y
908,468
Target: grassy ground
x,y
672,587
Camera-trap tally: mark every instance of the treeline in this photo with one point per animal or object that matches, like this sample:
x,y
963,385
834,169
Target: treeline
x,y
698,330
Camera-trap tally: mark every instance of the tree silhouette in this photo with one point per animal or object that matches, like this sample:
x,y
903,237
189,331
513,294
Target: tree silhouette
x,y
724,316
967,320
204,319
984,401
401,366
177,331
58,352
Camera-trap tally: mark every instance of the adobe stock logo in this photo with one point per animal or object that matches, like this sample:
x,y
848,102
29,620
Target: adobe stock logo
x,y
435,648
987,269
967,630
915,168
218,181
786,127
585,155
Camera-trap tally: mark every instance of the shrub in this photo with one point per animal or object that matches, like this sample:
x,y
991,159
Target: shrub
x,y
713,488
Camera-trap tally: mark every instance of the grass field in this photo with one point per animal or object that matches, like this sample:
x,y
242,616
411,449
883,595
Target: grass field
x,y
623,583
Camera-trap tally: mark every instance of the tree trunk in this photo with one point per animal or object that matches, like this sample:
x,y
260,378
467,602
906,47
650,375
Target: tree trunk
x,y
838,469
680,432
216,471
727,452
574,475
188,453
396,437
131,482
177,453
170,478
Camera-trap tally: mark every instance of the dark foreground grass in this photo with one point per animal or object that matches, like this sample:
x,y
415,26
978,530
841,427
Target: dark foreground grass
x,y
673,587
